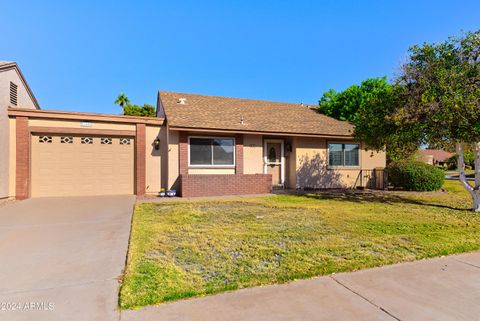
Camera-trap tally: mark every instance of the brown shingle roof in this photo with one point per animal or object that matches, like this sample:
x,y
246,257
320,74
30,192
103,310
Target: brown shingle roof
x,y
224,113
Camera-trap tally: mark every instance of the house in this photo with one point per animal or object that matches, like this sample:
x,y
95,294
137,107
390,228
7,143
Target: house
x,y
199,145
435,157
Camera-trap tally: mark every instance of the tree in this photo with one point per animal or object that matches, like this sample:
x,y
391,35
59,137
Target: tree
x,y
369,107
440,84
134,110
122,100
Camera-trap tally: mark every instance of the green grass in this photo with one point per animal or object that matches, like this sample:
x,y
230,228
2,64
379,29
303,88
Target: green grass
x,y
195,248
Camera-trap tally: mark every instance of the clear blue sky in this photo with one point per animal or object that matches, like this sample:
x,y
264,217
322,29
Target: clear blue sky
x,y
79,56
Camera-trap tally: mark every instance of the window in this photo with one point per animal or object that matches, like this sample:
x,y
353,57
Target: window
x,y
124,141
106,141
86,140
66,140
343,155
212,151
45,139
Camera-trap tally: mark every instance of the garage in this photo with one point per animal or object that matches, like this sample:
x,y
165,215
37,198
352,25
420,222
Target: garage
x,y
69,165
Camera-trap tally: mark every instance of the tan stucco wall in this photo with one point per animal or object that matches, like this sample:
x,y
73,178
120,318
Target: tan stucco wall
x,y
173,161
312,170
291,166
24,101
253,154
77,124
153,159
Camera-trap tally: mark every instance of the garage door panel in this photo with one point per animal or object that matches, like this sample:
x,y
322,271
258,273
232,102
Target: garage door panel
x,y
74,165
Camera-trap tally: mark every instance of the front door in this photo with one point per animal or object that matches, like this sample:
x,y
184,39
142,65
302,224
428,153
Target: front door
x,y
274,160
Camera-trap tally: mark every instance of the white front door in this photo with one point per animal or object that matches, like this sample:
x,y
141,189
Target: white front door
x,y
274,160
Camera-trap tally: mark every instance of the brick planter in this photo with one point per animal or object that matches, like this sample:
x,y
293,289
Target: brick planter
x,y
219,185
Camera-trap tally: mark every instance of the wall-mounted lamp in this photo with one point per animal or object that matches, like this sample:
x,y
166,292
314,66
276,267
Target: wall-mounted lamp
x,y
156,143
288,147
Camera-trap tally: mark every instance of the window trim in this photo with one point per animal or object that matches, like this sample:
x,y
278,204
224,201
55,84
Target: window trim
x,y
344,166
212,165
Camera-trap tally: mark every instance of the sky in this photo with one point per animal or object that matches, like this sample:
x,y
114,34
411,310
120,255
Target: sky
x,y
79,55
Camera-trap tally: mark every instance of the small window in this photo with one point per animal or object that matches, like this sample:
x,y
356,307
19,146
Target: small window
x,y
66,140
13,94
87,140
212,151
343,154
45,139
124,141
106,141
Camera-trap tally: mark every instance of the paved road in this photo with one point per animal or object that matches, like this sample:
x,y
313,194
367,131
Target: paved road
x,y
439,289
65,251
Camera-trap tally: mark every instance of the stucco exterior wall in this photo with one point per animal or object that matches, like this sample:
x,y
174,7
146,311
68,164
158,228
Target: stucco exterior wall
x,y
173,160
153,160
312,170
253,154
77,124
24,101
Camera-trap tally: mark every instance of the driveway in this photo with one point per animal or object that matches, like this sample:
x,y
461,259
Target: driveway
x,y
438,289
63,257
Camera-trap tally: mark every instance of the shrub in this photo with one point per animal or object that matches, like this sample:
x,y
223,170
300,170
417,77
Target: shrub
x,y
415,176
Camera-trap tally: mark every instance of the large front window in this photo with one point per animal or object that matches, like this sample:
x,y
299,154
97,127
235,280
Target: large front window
x,y
212,151
343,154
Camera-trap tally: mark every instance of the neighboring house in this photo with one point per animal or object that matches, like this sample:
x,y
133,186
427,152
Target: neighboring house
x,y
14,92
435,157
199,145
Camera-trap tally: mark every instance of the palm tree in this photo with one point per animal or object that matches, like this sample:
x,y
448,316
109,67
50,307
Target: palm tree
x,y
122,100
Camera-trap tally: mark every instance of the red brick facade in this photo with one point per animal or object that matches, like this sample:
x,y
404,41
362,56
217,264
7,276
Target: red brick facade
x,y
140,163
183,153
22,177
238,154
219,185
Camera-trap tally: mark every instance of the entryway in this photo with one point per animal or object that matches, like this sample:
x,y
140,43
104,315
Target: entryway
x,y
274,160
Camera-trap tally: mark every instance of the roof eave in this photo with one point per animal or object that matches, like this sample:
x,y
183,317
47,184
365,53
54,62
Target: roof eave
x,y
238,131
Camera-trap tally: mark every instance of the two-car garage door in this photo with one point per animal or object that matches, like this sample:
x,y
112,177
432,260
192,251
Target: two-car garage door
x,y
81,165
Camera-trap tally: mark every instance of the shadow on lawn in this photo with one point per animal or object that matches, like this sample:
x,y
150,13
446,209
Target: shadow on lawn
x,y
378,198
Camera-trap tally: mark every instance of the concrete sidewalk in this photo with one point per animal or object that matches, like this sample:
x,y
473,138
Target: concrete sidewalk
x,y
445,288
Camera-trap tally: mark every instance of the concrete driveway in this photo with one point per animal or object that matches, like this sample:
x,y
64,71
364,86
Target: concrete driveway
x,y
61,257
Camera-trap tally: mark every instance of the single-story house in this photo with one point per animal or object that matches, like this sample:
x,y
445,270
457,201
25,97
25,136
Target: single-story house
x,y
437,157
198,145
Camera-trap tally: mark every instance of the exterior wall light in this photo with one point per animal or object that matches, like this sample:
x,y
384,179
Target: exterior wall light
x,y
156,143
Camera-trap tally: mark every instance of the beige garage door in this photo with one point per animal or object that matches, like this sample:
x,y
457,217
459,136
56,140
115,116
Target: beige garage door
x,y
81,165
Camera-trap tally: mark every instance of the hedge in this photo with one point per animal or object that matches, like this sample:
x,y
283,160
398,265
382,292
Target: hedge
x,y
415,176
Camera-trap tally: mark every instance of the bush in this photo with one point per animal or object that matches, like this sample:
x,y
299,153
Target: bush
x,y
415,176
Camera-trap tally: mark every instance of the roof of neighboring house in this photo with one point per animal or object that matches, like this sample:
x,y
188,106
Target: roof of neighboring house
x,y
7,65
247,115
437,154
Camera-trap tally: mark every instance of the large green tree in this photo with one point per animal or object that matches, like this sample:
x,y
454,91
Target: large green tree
x,y
370,106
440,87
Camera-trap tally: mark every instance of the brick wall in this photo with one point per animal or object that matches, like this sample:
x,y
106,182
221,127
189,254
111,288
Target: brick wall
x,y
140,161
219,185
183,153
238,154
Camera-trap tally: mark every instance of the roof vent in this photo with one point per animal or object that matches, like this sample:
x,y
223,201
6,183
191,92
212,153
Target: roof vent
x,y
182,101
13,94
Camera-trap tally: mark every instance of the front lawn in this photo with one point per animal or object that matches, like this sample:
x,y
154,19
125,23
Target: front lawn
x,y
195,248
